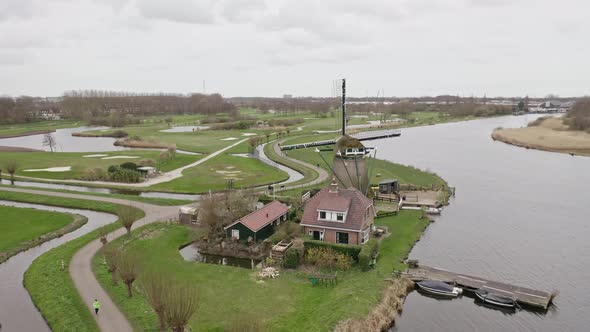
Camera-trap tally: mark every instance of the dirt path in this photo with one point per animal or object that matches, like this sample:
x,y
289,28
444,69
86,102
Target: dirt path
x,y
110,317
165,177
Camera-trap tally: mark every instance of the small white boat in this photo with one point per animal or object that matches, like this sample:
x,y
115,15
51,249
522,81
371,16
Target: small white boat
x,y
495,299
439,288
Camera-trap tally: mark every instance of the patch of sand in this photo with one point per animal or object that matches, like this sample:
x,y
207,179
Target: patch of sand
x,y
229,139
94,155
249,134
229,172
120,157
50,169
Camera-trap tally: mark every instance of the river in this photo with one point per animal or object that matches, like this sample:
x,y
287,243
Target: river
x,y
17,311
519,216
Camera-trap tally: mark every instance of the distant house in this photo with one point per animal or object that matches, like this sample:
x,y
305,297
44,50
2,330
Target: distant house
x,y
259,224
339,216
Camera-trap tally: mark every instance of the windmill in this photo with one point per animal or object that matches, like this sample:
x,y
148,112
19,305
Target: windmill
x,y
349,165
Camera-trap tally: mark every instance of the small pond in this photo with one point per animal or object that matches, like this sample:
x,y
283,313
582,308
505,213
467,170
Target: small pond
x,y
191,253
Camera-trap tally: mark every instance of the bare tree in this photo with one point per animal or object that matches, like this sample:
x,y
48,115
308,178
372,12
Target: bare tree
x,y
49,140
172,152
11,167
112,256
181,305
126,217
128,268
155,286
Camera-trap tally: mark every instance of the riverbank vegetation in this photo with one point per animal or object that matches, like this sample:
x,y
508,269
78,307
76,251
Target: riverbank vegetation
x,y
548,134
286,303
24,228
51,287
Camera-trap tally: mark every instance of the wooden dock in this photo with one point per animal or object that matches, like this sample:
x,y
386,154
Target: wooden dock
x,y
523,295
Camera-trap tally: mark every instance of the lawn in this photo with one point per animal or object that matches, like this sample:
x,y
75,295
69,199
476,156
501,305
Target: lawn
x,y
230,296
79,163
215,173
52,289
19,225
34,127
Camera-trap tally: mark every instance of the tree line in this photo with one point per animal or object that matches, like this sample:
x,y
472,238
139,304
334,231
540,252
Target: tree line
x,y
578,118
108,107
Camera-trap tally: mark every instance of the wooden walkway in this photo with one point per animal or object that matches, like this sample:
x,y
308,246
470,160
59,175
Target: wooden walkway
x,y
522,295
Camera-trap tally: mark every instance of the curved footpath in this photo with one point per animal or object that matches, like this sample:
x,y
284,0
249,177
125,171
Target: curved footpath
x,y
323,175
110,317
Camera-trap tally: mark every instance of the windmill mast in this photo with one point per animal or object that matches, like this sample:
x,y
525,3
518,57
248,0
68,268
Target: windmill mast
x,y
343,107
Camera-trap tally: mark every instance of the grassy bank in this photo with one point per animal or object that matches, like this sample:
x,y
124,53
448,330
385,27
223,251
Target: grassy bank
x,y
287,303
548,135
24,228
309,174
52,289
34,128
214,175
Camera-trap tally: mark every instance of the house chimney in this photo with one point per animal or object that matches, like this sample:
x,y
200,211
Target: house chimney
x,y
267,215
333,186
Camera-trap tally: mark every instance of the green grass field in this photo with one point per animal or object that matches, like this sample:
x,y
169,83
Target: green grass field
x,y
23,129
288,303
79,163
19,225
52,289
214,174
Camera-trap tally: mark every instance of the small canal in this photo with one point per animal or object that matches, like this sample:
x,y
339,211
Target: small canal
x,y
519,216
17,311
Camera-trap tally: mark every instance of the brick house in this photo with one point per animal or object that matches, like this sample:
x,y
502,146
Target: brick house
x,y
259,224
339,216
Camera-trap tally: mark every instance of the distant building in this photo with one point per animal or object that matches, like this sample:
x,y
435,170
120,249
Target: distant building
x,y
338,215
287,96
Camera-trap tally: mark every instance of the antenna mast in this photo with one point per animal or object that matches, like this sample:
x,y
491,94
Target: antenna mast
x,y
343,106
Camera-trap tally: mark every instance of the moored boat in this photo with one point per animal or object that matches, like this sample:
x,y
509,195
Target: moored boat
x,y
439,288
495,299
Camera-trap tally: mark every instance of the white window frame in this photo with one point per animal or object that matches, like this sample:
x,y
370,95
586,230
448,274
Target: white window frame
x,y
365,235
235,233
332,216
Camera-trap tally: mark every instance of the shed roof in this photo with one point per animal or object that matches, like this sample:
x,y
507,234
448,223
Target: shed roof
x,y
257,219
387,181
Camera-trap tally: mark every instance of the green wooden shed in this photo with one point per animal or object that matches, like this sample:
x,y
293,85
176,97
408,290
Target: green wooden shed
x,y
259,224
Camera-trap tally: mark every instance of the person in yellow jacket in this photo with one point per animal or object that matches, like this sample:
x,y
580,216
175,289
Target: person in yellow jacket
x,y
96,306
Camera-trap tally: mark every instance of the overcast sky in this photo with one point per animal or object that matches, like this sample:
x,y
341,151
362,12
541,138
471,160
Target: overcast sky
x,y
276,47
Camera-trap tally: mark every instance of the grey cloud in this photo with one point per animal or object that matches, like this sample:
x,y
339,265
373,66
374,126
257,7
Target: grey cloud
x,y
242,11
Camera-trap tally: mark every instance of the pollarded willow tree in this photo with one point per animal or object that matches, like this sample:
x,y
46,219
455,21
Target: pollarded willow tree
x,y
155,286
111,256
11,168
128,267
181,304
127,216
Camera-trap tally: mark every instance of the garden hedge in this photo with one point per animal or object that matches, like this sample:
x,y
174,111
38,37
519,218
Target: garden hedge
x,y
350,250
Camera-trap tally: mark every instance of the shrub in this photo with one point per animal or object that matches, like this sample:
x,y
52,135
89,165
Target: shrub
x,y
328,258
129,165
113,168
147,162
291,258
347,249
368,251
94,174
125,175
119,134
286,231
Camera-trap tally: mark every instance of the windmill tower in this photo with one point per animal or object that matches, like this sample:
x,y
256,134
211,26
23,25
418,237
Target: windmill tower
x,y
349,163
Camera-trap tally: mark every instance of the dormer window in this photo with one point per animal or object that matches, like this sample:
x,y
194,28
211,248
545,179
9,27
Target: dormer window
x,y
331,216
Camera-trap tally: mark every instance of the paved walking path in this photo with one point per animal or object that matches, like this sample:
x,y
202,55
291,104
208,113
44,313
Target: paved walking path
x,y
164,177
110,317
323,175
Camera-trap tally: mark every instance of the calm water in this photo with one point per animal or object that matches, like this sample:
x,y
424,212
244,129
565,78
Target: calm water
x,y
520,216
191,253
17,311
65,142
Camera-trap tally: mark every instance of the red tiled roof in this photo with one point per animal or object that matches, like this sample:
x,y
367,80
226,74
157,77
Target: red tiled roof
x,y
263,216
334,202
356,218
